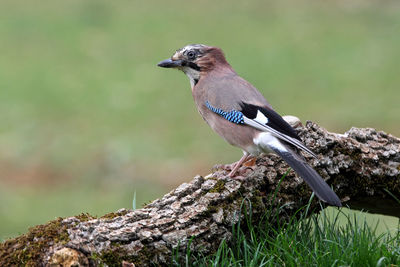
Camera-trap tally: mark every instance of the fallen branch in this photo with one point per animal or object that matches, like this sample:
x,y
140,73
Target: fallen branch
x,y
360,165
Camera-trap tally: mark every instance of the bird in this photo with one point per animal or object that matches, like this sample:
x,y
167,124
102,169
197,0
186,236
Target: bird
x,y
241,115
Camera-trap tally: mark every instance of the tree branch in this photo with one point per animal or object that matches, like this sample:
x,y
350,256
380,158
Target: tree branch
x,y
360,165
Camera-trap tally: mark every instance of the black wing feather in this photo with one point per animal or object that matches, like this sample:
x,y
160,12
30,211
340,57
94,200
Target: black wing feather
x,y
274,119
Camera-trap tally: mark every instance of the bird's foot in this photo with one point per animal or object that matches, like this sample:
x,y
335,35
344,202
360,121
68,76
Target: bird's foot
x,y
246,161
250,162
236,172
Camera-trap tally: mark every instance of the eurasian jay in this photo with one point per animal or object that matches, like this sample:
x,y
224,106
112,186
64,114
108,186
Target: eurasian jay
x,y
239,113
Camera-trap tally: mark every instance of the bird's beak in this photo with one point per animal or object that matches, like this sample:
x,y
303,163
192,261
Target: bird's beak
x,y
169,63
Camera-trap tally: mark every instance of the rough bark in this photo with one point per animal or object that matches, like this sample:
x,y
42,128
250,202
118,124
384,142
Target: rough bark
x,y
359,165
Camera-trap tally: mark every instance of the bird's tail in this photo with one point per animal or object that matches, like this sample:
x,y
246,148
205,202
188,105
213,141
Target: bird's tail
x,y
298,164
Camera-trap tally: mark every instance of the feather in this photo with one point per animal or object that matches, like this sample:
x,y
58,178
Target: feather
x,y
310,176
232,116
263,119
267,116
266,119
276,133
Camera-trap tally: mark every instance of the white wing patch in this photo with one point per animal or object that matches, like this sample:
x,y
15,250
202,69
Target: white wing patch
x,y
261,118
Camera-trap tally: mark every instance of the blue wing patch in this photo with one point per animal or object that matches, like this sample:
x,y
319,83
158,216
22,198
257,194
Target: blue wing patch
x,y
232,116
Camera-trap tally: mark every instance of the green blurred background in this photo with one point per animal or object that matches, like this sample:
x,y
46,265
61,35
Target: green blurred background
x,y
87,119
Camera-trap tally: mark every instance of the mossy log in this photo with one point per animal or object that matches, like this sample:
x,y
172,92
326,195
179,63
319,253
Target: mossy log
x,y
362,166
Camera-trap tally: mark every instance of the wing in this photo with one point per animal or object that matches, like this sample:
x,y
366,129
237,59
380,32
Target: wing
x,y
266,119
263,119
226,97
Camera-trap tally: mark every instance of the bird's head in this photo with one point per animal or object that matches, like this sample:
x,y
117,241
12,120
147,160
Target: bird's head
x,y
196,60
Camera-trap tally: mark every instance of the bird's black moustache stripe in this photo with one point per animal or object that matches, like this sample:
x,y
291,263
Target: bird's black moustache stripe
x,y
191,65
194,66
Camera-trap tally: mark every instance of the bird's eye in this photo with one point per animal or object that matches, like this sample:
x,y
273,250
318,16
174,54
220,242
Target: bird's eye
x,y
191,55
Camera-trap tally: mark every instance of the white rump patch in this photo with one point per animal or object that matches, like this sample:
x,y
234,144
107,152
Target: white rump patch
x,y
266,140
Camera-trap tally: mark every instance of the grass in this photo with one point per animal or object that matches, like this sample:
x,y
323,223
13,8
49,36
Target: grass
x,y
83,105
319,240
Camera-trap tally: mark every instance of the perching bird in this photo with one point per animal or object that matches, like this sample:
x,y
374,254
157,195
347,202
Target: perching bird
x,y
239,113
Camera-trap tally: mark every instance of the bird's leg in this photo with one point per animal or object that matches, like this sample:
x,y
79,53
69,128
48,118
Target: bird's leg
x,y
238,164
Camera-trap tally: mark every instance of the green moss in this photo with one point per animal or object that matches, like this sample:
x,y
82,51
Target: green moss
x,y
84,217
29,249
212,209
257,203
95,260
218,187
109,258
116,255
303,191
112,215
